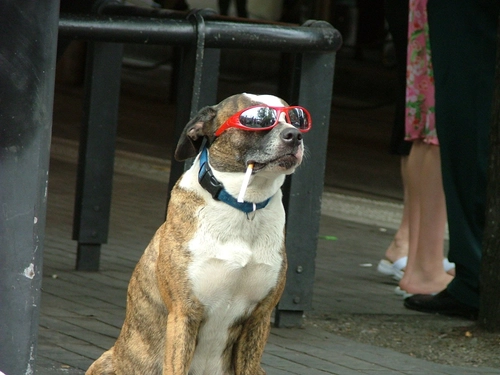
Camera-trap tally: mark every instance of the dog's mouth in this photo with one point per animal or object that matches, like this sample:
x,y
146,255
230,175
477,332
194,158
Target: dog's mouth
x,y
286,161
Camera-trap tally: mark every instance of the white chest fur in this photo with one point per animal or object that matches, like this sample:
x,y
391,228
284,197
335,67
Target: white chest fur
x,y
236,264
238,259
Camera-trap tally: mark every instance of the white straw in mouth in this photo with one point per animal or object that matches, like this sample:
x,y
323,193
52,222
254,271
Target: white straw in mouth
x,y
244,185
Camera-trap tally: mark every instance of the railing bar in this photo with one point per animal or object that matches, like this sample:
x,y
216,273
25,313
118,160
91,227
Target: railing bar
x,y
219,34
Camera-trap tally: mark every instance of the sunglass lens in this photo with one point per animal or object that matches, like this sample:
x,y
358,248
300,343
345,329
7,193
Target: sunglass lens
x,y
298,118
258,117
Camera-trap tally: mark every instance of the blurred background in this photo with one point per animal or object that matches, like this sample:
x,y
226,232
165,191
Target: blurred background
x,y
362,109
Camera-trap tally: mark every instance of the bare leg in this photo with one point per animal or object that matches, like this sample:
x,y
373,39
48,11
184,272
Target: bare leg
x,y
399,245
424,272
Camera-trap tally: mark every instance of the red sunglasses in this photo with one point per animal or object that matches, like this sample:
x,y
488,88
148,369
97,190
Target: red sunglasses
x,y
262,117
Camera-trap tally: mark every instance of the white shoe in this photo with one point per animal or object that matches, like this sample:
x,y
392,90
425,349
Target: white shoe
x,y
395,269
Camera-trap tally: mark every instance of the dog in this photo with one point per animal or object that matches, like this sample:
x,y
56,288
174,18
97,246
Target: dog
x,y
201,297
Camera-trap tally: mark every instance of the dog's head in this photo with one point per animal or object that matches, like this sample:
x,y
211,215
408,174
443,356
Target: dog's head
x,y
279,149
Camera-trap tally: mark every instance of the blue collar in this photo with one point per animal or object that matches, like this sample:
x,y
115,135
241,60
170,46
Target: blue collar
x,y
208,181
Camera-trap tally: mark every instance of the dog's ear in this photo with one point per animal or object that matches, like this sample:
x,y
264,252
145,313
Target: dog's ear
x,y
192,136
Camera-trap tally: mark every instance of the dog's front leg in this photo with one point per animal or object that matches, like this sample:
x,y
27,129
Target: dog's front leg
x,y
180,343
251,343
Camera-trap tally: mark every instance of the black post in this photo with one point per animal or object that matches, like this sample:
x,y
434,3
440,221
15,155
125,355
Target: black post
x,y
28,43
303,193
97,152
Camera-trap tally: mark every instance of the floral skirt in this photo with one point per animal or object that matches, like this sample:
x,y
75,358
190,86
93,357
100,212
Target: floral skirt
x,y
420,115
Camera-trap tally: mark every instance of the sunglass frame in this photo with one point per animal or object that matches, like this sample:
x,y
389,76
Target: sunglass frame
x,y
234,120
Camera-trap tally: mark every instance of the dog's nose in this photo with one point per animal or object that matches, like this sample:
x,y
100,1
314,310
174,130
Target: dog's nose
x,y
291,136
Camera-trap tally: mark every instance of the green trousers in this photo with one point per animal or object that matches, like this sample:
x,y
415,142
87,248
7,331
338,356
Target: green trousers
x,y
463,47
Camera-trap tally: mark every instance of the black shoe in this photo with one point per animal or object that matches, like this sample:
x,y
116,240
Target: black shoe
x,y
442,303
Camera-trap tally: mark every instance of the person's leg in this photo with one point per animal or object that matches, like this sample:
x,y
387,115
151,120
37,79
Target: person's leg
x,y
463,44
413,203
424,272
398,248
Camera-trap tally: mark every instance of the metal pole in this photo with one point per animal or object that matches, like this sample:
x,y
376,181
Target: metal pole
x,y
303,198
97,152
27,68
218,34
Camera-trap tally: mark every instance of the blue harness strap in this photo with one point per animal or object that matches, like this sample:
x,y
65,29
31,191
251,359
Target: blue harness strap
x,y
208,181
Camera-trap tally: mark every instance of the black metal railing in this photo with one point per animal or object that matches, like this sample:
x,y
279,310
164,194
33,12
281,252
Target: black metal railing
x,y
201,35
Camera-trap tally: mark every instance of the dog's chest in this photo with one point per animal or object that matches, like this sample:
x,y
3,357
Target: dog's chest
x,y
235,262
231,272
